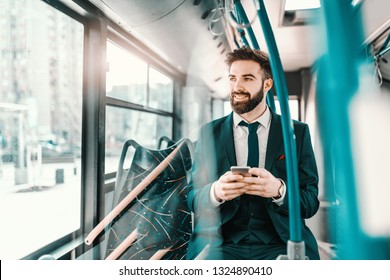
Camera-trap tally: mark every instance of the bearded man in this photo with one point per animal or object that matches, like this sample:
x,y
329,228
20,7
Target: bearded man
x,y
245,216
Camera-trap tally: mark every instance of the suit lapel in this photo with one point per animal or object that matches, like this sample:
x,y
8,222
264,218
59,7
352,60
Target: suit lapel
x,y
227,140
275,141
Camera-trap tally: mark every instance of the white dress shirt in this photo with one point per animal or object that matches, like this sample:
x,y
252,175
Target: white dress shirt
x,y
240,134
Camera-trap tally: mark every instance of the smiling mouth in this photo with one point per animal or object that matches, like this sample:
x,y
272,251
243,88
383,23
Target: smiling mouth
x,y
240,97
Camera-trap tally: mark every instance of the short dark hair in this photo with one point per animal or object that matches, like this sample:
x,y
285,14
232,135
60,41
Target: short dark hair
x,y
246,53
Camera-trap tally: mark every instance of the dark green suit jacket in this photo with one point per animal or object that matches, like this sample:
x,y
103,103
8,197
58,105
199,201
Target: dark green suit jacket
x,y
215,154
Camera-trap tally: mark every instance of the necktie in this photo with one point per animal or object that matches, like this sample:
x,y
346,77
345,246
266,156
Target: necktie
x,y
253,145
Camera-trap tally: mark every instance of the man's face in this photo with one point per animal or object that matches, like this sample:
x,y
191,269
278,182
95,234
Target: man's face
x,y
246,86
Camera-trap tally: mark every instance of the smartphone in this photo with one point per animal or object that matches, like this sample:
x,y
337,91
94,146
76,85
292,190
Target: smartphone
x,y
243,170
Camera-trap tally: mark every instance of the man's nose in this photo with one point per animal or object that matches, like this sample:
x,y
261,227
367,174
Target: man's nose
x,y
237,86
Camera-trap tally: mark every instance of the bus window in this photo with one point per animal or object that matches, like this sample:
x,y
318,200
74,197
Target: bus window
x,y
126,77
40,125
294,108
160,91
131,82
123,124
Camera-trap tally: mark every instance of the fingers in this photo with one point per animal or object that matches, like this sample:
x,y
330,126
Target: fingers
x,y
229,186
229,177
254,180
259,172
260,189
263,192
262,183
229,194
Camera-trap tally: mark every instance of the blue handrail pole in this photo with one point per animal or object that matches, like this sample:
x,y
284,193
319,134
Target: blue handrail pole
x,y
254,44
295,246
270,99
338,81
240,31
243,37
244,19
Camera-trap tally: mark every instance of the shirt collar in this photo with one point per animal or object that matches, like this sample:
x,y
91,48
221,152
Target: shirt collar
x,y
264,119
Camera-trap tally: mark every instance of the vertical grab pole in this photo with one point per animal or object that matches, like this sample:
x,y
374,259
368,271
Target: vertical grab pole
x,y
295,246
338,81
254,44
244,19
239,30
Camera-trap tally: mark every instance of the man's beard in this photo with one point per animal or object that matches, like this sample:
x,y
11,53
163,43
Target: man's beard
x,y
242,107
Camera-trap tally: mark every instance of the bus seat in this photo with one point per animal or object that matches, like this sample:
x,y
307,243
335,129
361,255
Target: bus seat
x,y
159,213
165,139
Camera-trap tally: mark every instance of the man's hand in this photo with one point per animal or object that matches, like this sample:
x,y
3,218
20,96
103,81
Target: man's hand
x,y
262,183
229,186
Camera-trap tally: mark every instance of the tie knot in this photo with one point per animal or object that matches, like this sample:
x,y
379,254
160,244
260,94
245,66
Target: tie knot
x,y
252,127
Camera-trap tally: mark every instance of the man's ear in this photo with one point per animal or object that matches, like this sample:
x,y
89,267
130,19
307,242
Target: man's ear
x,y
268,83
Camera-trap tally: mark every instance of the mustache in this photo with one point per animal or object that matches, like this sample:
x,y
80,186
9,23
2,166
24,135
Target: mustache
x,y
233,93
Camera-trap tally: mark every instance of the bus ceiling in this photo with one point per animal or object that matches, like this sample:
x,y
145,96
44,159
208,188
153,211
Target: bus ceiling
x,y
197,46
